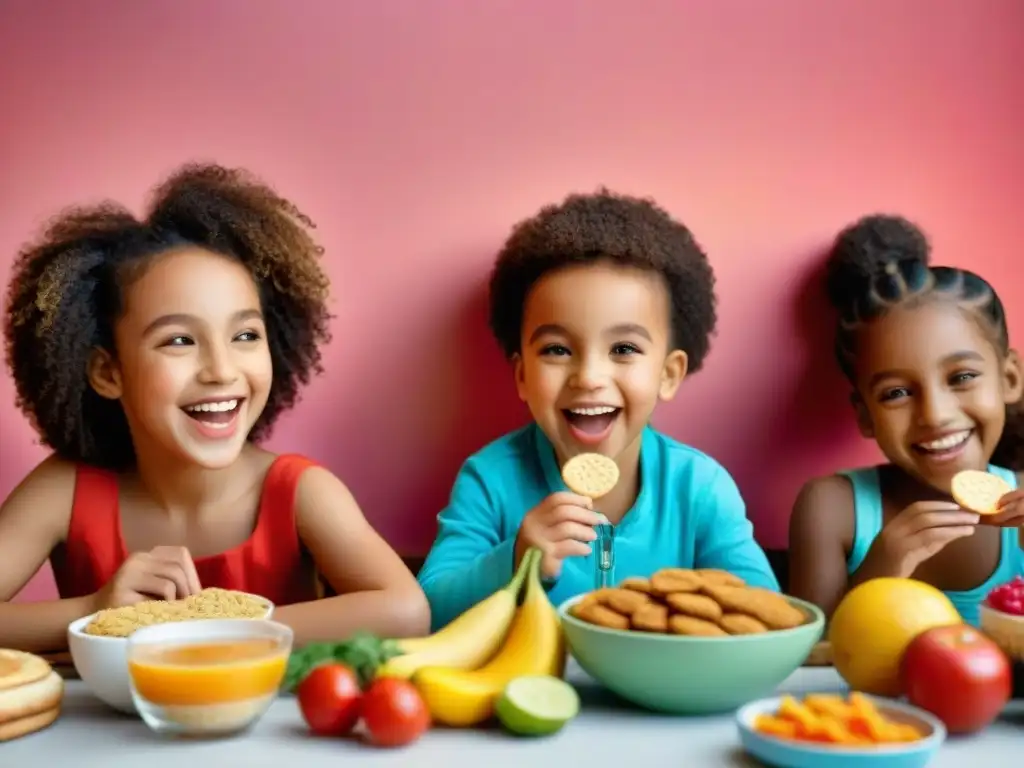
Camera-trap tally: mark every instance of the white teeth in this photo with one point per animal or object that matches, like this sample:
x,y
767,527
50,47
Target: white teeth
x,y
224,405
947,442
600,410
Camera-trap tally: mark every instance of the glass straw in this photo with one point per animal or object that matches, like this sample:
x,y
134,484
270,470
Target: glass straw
x,y
605,576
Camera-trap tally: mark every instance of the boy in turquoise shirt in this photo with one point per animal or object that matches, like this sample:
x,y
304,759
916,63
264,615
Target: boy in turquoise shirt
x,y
603,304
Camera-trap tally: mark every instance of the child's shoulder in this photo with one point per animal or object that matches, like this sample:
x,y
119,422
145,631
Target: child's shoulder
x,y
508,453
825,506
49,489
676,458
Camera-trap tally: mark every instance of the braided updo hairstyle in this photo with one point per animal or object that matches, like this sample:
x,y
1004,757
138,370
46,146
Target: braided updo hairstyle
x,y
67,290
881,262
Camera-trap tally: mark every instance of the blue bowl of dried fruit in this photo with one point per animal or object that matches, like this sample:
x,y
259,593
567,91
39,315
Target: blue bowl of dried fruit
x,y
825,731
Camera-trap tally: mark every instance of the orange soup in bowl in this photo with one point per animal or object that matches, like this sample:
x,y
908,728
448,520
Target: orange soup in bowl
x,y
214,676
208,673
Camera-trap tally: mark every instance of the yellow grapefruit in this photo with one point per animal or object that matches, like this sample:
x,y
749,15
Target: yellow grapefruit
x,y
874,624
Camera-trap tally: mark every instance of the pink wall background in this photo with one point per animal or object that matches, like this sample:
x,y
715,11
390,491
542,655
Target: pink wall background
x,y
416,133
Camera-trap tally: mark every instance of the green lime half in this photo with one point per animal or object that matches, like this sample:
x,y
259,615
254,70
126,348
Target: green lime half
x,y
537,705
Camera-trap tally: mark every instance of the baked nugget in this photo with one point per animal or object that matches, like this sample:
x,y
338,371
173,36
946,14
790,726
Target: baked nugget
x,y
624,601
595,613
741,624
697,606
687,625
771,609
718,576
652,617
670,580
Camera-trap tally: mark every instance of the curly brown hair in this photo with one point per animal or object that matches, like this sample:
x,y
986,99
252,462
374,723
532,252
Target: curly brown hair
x,y
67,290
606,227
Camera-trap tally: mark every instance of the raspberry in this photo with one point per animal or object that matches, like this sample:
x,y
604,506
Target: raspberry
x,y
1009,597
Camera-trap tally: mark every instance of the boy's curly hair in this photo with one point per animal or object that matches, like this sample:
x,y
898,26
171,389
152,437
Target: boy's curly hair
x,y
623,230
66,291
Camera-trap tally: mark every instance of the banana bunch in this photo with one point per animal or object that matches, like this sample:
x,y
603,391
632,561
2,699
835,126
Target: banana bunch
x,y
468,641
464,695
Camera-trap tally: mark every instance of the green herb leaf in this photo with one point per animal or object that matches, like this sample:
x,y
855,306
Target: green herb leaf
x,y
364,653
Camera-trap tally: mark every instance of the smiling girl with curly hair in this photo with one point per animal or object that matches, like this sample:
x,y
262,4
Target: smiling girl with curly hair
x,y
151,355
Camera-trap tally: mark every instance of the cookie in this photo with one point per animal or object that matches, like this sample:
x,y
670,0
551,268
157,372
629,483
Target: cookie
x,y
624,601
978,492
695,605
768,607
687,625
652,617
590,474
18,668
595,613
717,576
669,580
741,624
637,584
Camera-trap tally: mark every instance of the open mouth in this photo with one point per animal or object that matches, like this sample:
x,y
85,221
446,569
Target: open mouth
x,y
216,415
592,421
945,445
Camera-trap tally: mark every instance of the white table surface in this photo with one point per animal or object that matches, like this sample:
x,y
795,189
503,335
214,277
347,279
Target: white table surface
x,y
607,733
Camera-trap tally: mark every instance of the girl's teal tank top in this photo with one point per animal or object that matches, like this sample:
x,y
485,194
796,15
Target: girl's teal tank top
x,y
867,513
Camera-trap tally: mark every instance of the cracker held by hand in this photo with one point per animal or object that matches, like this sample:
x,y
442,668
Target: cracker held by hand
x,y
590,474
979,492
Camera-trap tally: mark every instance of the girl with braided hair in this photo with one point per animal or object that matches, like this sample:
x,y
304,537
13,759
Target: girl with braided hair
x,y
151,356
938,387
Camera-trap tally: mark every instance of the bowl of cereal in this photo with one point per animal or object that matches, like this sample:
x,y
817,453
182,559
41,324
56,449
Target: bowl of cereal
x,y
207,678
690,641
99,642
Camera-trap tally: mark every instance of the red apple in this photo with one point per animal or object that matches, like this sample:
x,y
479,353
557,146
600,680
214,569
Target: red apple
x,y
958,675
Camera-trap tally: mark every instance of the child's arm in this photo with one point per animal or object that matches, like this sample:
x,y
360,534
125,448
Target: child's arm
x,y
468,560
726,537
820,532
34,520
376,591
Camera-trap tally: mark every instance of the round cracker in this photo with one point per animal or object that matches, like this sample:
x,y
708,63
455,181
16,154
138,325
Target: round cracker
x,y
590,474
31,698
978,492
18,668
15,729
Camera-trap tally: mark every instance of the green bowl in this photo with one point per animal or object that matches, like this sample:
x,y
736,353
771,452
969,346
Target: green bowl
x,y
690,675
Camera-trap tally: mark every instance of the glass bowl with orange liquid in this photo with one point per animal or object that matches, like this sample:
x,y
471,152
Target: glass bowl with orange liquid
x,y
207,678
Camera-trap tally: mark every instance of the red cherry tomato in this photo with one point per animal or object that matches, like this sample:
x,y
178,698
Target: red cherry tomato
x,y
394,713
958,675
330,699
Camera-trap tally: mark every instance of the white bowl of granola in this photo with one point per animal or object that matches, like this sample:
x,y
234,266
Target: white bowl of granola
x,y
99,642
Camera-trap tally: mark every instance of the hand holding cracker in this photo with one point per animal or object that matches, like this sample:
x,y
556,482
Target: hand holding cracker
x,y
918,533
990,496
1010,510
561,526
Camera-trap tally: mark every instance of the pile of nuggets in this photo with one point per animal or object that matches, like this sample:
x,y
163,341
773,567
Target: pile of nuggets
x,y
699,603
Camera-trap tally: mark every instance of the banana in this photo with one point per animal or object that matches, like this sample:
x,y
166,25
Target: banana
x,y
534,646
467,641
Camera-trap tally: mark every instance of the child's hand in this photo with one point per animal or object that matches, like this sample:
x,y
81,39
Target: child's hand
x,y
1011,510
921,531
164,573
560,526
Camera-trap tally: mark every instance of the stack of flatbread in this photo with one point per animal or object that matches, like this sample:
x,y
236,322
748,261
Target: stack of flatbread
x,y
30,694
